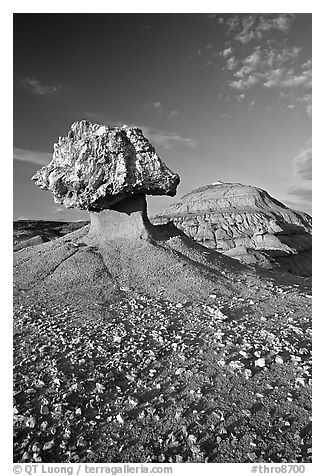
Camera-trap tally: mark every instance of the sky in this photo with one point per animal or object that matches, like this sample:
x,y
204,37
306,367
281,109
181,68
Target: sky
x,y
220,96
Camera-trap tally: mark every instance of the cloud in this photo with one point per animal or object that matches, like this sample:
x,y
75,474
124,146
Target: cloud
x,y
161,138
215,16
231,63
243,84
227,52
302,162
158,106
306,100
272,68
284,77
161,108
300,205
32,156
256,27
233,23
35,86
302,193
251,104
166,140
281,22
246,34
173,114
269,65
250,71
254,60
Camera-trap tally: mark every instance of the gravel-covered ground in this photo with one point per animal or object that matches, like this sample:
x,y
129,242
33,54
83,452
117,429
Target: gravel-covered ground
x,y
148,380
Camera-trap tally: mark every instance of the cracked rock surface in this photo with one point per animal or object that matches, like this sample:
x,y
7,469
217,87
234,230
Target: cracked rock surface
x,y
95,166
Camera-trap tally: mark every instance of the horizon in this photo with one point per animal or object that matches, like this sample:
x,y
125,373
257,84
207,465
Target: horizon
x,y
231,102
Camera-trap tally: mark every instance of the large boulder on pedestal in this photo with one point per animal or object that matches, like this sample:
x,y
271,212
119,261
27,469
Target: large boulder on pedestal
x,y
108,171
95,166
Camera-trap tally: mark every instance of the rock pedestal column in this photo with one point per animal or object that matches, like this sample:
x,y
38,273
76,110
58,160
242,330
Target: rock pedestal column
x,y
126,220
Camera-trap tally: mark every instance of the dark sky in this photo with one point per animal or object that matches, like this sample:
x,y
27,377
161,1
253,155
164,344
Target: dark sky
x,y
221,96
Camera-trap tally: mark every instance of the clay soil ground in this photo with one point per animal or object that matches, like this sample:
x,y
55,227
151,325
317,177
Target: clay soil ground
x,y
149,380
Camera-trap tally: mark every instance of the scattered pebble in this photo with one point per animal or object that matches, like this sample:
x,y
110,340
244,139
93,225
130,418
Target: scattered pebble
x,y
152,365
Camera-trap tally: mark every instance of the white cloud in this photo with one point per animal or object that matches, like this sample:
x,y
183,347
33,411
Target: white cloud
x,y
161,108
35,157
302,162
281,22
227,52
35,86
233,23
256,27
247,34
158,106
231,63
167,140
254,60
287,78
271,68
243,84
306,100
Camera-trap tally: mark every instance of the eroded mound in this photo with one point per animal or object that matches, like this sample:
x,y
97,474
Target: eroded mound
x,y
34,232
246,223
98,261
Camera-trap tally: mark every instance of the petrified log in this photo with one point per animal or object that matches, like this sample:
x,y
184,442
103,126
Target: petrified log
x,y
96,166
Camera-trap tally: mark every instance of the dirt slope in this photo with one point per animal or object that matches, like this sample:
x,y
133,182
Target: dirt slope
x,y
157,350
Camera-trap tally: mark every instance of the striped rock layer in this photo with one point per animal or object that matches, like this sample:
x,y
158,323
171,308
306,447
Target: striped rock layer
x,y
246,223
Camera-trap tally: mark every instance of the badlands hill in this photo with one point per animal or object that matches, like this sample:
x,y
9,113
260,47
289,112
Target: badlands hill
x,y
135,343
34,232
246,223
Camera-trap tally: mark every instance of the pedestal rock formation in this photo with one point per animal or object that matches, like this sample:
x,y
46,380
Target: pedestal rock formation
x,y
96,166
108,171
133,342
246,223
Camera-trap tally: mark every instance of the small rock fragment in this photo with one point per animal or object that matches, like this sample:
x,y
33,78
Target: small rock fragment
x,y
260,363
120,419
48,445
